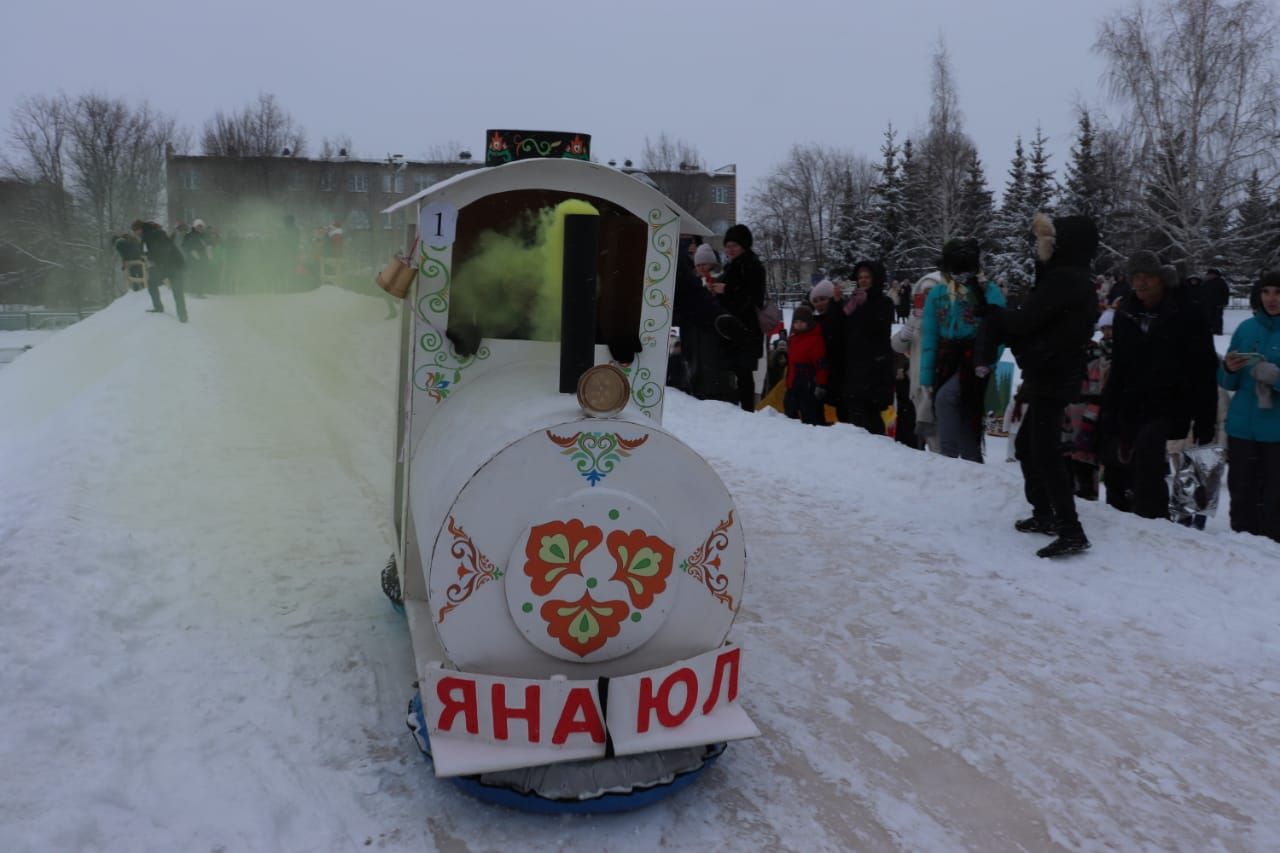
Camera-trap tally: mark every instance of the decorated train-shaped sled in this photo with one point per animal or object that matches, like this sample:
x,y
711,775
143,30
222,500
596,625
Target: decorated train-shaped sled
x,y
570,570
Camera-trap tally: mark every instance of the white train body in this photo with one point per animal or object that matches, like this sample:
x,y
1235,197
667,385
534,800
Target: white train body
x,y
570,580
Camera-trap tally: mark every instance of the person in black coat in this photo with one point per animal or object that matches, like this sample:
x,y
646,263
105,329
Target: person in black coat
x,y
744,295
1048,333
707,335
166,263
1217,297
1163,379
867,360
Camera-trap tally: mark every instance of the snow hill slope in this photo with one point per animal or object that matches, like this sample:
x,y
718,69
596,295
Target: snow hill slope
x,y
195,654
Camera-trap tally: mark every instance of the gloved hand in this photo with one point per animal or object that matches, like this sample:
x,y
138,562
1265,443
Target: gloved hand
x,y
977,290
820,393
1266,372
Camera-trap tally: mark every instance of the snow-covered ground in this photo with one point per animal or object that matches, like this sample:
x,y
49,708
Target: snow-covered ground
x,y
16,343
195,654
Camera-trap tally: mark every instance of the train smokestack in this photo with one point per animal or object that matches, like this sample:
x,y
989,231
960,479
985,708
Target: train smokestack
x,y
578,299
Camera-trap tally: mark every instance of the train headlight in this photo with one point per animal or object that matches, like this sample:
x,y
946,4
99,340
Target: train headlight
x,y
603,391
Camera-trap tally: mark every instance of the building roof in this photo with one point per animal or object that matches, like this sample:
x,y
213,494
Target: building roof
x,y
558,174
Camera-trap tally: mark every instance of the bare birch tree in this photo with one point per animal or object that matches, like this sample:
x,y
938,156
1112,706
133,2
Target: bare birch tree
x,y
797,206
1199,80
261,129
90,165
945,152
670,154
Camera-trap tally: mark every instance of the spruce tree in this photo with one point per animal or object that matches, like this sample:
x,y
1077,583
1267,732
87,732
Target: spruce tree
x,y
1011,262
880,230
1084,193
1254,236
915,254
1041,186
847,242
976,208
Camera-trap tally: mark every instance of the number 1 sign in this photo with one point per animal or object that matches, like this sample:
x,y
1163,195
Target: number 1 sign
x,y
438,224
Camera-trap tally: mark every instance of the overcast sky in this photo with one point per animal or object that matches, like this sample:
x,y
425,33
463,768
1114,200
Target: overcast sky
x,y
741,80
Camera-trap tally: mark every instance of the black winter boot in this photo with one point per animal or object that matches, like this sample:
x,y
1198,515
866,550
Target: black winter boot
x,y
1071,540
1037,524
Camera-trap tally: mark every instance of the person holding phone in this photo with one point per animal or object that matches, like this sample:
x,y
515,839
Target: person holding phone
x,y
1252,370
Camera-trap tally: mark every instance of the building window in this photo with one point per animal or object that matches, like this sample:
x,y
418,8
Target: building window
x,y
326,182
719,194
358,184
421,182
297,180
358,220
188,214
191,180
393,183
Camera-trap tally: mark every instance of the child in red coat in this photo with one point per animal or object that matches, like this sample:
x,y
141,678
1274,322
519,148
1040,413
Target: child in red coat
x,y
806,369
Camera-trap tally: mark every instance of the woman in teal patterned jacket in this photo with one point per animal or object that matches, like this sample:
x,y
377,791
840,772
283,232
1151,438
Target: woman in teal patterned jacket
x,y
953,361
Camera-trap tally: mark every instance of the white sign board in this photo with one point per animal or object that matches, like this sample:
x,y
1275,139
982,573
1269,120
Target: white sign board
x,y
485,723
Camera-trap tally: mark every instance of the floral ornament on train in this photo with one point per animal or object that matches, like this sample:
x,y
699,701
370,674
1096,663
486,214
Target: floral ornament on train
x,y
642,564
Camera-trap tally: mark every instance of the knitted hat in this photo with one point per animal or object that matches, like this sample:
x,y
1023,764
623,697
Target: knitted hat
x,y
960,255
739,234
822,289
1144,262
704,254
802,313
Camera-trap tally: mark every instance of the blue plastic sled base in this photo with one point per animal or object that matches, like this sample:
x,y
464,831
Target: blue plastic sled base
x,y
606,803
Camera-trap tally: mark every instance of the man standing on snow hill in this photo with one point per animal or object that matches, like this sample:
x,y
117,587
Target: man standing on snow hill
x,y
1163,378
1048,332
166,264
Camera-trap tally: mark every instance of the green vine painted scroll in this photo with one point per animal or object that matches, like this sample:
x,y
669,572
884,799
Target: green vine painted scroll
x,y
441,368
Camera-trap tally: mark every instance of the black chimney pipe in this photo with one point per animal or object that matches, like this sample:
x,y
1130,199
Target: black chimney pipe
x,y
578,299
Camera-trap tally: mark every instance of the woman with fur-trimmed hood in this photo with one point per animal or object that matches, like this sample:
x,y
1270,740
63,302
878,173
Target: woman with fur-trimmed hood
x,y
866,320
1048,333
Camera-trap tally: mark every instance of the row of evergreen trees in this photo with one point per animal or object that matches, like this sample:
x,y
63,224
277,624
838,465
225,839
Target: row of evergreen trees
x,y
897,221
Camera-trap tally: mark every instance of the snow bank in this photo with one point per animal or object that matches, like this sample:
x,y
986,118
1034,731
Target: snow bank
x,y
196,655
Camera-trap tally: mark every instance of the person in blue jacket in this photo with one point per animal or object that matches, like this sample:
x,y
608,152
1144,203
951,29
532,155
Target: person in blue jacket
x,y
1252,370
954,362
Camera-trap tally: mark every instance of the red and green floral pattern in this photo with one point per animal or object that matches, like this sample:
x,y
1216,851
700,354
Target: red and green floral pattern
x,y
585,625
556,549
644,564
